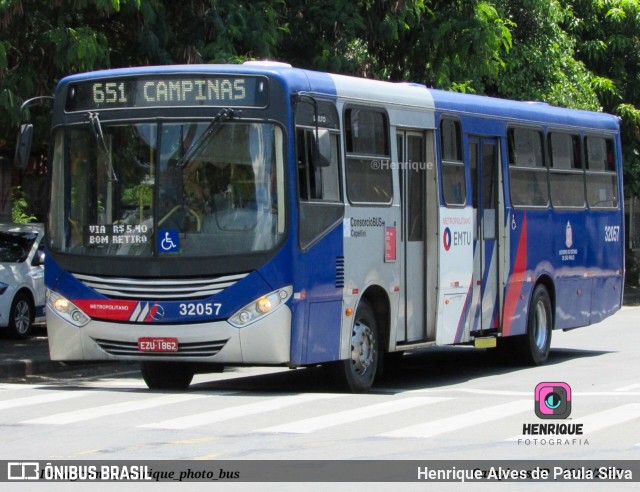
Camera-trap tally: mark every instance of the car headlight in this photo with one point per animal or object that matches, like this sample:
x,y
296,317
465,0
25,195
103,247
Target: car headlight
x,y
3,287
67,310
261,307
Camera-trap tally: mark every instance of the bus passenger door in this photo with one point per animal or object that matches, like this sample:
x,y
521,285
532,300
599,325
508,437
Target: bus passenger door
x,y
484,155
412,171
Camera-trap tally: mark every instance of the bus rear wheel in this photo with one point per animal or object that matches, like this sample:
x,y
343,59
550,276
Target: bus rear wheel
x,y
535,345
166,375
357,373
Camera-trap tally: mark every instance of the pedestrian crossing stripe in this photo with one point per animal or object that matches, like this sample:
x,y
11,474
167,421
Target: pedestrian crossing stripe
x,y
112,409
409,402
220,415
42,399
457,422
353,415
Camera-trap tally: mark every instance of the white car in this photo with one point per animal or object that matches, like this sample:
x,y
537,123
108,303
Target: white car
x,y
22,292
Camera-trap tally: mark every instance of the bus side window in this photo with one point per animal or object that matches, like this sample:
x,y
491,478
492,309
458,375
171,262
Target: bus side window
x,y
315,181
320,200
527,170
454,188
566,176
601,177
368,156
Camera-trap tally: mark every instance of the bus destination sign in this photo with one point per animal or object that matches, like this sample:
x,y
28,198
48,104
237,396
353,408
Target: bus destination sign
x,y
169,90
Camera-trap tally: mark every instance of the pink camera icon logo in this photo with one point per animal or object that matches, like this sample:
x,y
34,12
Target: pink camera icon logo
x,y
553,400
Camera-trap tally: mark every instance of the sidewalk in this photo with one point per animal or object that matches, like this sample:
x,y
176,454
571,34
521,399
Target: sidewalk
x,y
19,358
30,357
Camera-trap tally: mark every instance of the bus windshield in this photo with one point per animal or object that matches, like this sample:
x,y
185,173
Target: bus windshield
x,y
167,188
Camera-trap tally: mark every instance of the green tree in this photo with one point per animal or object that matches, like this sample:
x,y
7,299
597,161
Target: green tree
x,y
442,43
40,41
542,65
607,37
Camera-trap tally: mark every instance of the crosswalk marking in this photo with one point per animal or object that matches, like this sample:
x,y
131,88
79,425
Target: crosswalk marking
x,y
113,409
376,407
347,416
607,418
42,399
456,422
239,411
629,387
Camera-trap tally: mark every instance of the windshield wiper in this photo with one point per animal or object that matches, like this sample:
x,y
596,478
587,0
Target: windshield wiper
x,y
223,115
96,128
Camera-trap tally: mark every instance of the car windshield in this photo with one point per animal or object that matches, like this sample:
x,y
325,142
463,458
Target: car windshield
x,y
193,188
15,246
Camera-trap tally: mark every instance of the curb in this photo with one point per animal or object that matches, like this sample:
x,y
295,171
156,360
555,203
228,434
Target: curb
x,y
20,368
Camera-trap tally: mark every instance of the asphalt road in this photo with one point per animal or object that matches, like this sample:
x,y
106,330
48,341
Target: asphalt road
x,y
454,403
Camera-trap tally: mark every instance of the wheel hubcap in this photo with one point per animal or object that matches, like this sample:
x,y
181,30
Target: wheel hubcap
x,y
362,347
540,326
22,317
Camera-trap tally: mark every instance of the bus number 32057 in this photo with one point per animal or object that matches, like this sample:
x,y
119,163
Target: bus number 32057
x,y
200,309
612,234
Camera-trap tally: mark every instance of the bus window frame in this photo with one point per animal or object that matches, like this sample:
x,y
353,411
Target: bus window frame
x,y
616,172
381,159
564,171
458,164
317,204
537,169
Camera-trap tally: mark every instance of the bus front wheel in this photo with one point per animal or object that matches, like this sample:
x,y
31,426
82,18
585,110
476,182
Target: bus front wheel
x,y
535,345
357,373
166,375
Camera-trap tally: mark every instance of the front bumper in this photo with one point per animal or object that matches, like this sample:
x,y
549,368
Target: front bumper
x,y
266,341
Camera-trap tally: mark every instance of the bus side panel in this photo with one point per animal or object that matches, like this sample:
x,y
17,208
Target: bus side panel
x,y
317,304
606,231
456,275
365,239
565,246
518,286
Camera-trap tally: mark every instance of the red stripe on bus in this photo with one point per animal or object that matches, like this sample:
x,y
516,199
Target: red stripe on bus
x,y
516,281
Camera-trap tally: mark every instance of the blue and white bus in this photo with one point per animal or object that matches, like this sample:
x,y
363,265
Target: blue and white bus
x,y
204,216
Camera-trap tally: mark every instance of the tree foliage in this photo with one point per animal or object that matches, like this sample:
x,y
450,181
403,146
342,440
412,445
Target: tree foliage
x,y
607,35
542,65
574,53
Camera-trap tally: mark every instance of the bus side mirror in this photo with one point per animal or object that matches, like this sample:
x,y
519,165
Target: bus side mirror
x,y
323,148
23,146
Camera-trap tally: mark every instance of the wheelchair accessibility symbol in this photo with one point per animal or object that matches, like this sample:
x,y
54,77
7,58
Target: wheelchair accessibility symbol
x,y
168,241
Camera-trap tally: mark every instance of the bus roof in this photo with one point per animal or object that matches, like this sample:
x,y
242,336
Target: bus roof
x,y
402,94
521,111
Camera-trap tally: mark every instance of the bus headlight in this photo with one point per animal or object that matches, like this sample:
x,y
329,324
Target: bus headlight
x,y
66,309
261,307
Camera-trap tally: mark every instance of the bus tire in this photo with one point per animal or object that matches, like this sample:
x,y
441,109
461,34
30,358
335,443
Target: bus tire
x,y
357,373
166,375
535,344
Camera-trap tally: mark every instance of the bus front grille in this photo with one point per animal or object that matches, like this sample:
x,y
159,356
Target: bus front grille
x,y
193,349
166,289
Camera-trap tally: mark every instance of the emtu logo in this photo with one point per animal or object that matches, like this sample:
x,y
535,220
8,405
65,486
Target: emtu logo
x,y
446,239
553,400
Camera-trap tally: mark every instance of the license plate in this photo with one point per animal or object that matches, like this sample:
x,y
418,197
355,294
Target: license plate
x,y
154,344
